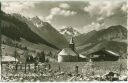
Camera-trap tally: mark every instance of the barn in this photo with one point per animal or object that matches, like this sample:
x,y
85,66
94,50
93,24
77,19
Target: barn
x,y
104,55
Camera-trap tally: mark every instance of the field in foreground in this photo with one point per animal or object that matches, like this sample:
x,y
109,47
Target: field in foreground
x,y
64,71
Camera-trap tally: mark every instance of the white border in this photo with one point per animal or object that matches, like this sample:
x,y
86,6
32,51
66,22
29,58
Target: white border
x,y
74,81
62,0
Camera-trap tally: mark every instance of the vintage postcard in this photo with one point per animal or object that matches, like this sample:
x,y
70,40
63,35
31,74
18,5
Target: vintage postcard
x,y
63,40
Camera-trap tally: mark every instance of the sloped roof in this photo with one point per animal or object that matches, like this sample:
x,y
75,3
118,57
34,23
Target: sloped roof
x,y
68,51
95,56
105,51
8,58
111,52
82,56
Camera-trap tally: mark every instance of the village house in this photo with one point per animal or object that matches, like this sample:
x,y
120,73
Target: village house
x,y
9,59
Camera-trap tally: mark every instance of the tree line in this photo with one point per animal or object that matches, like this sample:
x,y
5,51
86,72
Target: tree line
x,y
14,28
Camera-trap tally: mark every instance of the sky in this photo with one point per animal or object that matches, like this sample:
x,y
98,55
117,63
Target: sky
x,y
83,16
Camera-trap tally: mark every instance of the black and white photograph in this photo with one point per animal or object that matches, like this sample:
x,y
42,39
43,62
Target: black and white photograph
x,y
63,40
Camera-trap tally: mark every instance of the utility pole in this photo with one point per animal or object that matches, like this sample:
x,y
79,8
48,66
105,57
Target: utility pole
x,y
35,64
92,66
29,59
76,70
15,53
59,69
120,69
0,46
26,55
1,60
25,67
49,66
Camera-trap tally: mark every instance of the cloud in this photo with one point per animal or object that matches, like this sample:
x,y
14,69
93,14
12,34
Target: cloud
x,y
93,26
124,7
89,13
64,5
104,9
17,7
60,11
104,12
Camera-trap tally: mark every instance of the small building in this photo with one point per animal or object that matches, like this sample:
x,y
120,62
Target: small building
x,y
104,55
67,55
9,59
70,54
82,58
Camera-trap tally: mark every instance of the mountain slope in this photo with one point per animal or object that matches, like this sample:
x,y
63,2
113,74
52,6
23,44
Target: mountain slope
x,y
53,36
118,47
44,30
113,33
113,38
81,39
16,29
117,32
69,32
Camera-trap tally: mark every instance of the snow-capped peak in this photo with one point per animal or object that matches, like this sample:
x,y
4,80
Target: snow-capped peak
x,y
37,22
69,31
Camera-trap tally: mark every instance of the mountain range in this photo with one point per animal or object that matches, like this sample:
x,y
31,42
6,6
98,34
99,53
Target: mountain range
x,y
44,30
113,38
34,30
69,32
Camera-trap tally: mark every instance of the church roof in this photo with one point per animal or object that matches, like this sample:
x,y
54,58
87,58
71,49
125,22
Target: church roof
x,y
68,51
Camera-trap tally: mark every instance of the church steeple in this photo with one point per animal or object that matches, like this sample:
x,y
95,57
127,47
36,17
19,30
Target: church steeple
x,y
72,41
72,44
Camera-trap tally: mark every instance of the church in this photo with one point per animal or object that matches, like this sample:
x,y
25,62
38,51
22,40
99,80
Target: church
x,y
70,54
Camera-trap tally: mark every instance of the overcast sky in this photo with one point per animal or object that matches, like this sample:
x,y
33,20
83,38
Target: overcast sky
x,y
82,15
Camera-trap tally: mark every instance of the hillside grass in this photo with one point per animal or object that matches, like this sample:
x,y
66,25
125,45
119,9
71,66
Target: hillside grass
x,y
99,68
